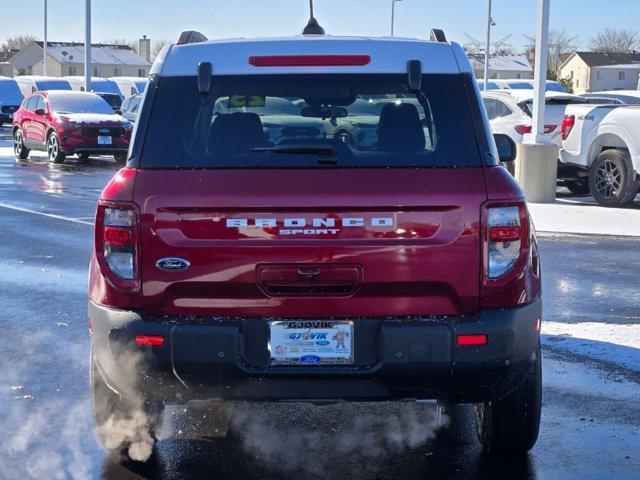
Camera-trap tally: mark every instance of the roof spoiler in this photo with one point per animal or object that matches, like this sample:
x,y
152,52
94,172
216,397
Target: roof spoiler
x,y
191,36
437,35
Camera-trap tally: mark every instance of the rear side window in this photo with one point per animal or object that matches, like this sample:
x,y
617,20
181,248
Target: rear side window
x,y
309,121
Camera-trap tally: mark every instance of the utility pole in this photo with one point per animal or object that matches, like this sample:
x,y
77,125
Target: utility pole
x,y
490,23
87,45
393,14
44,58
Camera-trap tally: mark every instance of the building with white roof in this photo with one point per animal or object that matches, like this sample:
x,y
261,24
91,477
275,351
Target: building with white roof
x,y
601,71
503,66
67,59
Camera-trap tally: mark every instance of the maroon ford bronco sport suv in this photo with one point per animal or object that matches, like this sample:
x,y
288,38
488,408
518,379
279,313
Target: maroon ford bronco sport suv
x,y
316,252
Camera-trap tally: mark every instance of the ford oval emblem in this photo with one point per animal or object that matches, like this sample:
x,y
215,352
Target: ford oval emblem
x,y
310,359
172,264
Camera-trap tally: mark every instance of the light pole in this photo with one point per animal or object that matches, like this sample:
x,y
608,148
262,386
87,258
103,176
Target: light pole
x,y
44,58
393,14
537,161
490,23
87,45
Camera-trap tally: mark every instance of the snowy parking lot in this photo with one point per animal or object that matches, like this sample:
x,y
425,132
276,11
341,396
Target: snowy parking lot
x,y
591,369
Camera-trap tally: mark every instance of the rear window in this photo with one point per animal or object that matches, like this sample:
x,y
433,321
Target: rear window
x,y
10,92
112,99
292,121
53,85
78,103
105,86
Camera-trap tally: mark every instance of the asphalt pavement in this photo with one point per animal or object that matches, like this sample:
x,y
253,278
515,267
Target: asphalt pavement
x,y
590,425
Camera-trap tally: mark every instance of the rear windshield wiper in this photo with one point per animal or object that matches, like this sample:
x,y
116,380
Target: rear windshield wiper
x,y
296,149
325,154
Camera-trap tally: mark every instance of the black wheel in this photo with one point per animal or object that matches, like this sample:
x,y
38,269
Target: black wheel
x,y
612,179
55,153
510,425
511,167
578,187
121,158
122,425
83,157
21,152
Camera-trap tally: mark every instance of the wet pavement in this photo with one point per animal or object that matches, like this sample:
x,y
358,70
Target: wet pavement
x,y
591,420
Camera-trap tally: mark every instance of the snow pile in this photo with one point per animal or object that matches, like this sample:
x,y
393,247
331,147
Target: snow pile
x,y
584,216
613,343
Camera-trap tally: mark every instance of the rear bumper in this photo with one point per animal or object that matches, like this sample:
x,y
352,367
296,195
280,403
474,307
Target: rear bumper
x,y
216,358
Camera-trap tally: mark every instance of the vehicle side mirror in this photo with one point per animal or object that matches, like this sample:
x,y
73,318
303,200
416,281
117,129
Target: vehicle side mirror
x,y
506,147
40,112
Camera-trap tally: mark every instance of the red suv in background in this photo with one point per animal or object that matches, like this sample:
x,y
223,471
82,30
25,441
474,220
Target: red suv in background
x,y
65,123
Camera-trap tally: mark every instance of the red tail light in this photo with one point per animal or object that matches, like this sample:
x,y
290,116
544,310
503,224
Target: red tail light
x,y
310,60
567,125
117,226
522,129
506,240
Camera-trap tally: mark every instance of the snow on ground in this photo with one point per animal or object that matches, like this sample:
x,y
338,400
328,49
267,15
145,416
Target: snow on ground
x,y
616,344
583,215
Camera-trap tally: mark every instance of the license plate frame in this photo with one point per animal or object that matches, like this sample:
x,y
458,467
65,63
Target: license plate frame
x,y
311,342
105,140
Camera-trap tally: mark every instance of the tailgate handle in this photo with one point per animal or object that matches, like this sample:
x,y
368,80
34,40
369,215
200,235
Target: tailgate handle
x,y
308,274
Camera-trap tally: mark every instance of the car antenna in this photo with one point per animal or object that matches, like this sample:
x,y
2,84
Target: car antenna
x,y
313,27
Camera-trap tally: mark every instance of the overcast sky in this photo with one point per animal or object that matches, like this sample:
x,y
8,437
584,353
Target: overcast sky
x,y
165,19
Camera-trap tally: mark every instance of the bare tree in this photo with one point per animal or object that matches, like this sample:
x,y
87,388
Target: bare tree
x,y
560,44
614,40
157,46
17,43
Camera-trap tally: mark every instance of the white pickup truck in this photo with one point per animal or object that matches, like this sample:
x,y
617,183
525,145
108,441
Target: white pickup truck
x,y
601,150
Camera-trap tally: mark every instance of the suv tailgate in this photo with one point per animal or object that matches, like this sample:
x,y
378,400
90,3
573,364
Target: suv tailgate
x,y
406,241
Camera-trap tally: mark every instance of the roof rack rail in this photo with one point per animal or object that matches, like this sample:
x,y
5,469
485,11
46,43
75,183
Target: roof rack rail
x,y
437,35
191,36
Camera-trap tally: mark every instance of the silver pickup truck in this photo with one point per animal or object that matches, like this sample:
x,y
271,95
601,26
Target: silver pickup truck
x,y
601,151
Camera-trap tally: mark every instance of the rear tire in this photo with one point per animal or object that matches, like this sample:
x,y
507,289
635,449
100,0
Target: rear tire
x,y
510,425
121,425
578,187
612,179
21,152
121,158
54,151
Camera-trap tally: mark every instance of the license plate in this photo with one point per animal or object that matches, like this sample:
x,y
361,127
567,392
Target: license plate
x,y
11,116
311,342
102,140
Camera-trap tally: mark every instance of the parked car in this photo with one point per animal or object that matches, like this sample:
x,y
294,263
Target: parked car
x,y
130,107
526,84
65,123
113,99
33,83
10,99
228,266
282,120
510,113
130,86
601,148
621,97
98,84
